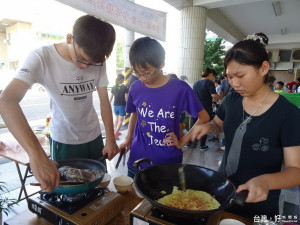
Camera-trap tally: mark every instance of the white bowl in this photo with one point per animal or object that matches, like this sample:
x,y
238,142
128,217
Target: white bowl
x,y
40,136
122,183
230,222
105,181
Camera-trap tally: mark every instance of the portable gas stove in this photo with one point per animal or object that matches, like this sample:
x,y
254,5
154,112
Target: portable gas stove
x,y
94,207
146,214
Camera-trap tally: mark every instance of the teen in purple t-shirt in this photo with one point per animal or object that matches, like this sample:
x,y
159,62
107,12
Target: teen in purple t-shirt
x,y
155,103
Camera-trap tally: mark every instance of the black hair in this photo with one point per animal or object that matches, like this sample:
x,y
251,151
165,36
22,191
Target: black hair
x,y
208,71
221,78
146,51
119,78
173,75
250,51
281,83
298,79
95,37
217,81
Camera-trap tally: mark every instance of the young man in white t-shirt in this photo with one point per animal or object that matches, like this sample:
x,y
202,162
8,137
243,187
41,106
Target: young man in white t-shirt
x,y
69,72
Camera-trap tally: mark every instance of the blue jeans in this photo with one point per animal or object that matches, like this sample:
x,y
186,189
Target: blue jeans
x,y
132,172
119,110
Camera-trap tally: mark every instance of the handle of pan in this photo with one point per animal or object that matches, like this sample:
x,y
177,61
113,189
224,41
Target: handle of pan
x,y
137,163
62,182
102,158
241,197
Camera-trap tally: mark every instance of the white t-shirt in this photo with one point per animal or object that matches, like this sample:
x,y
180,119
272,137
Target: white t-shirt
x,y
74,118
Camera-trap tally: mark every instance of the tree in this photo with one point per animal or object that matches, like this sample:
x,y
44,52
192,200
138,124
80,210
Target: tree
x,y
214,54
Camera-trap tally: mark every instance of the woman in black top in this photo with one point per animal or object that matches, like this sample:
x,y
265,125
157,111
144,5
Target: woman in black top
x,y
261,130
120,92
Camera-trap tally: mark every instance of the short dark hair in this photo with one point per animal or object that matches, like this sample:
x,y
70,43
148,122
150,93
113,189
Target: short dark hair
x,y
249,52
217,81
207,71
119,78
146,51
221,78
298,79
95,36
280,83
173,75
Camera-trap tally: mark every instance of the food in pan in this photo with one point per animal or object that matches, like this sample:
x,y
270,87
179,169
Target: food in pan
x,y
189,200
83,175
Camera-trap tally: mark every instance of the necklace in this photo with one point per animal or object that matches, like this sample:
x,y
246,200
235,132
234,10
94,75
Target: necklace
x,y
260,105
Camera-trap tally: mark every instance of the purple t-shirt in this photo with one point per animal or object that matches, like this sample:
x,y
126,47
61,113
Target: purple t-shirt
x,y
158,113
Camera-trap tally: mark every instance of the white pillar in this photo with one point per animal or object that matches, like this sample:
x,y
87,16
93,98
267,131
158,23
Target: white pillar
x,y
129,39
192,35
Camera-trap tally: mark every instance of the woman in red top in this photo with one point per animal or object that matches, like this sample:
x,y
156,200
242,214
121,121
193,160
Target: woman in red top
x,y
293,85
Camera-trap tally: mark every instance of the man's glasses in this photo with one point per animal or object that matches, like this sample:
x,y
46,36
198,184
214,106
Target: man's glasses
x,y
85,63
138,75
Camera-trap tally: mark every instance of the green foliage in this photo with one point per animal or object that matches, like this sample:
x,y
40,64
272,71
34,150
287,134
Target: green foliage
x,y
213,55
4,200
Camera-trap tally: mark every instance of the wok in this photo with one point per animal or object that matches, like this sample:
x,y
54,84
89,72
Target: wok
x,y
81,163
152,180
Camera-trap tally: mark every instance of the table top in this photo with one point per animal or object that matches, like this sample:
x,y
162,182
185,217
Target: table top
x,y
131,200
18,154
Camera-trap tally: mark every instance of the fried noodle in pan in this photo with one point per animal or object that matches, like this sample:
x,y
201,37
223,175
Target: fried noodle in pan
x,y
189,200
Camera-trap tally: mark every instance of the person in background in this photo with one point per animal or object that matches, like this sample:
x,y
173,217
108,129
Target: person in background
x,y
216,104
173,75
182,114
221,78
69,72
120,92
206,92
278,87
184,78
261,129
225,87
293,85
217,84
224,90
132,78
155,102
271,80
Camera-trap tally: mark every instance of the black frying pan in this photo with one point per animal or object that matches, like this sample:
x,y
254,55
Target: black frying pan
x,y
81,163
152,180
